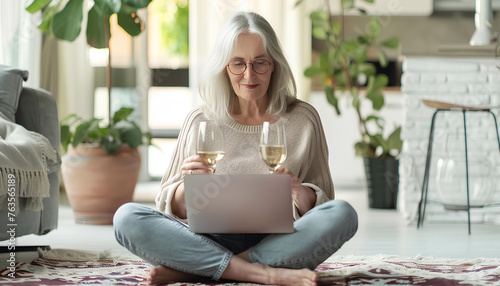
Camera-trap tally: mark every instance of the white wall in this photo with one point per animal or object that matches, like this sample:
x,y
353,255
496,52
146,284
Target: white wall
x,y
467,81
342,133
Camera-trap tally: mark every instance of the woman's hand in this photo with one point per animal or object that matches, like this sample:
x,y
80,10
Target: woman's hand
x,y
194,165
303,196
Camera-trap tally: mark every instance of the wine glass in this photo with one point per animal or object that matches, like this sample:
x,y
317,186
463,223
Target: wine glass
x,y
210,145
273,145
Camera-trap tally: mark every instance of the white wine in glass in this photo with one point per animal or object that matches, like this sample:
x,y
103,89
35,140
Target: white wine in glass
x,y
210,145
273,145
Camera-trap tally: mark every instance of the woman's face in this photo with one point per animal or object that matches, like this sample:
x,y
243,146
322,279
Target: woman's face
x,y
250,85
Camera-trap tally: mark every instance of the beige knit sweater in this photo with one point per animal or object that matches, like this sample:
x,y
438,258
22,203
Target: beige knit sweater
x,y
307,153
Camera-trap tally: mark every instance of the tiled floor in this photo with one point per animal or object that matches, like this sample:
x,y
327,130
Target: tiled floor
x,y
380,232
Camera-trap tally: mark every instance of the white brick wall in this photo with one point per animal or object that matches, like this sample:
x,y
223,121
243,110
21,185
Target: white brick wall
x,y
469,81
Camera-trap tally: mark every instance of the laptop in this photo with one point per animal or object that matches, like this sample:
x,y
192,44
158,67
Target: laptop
x,y
249,203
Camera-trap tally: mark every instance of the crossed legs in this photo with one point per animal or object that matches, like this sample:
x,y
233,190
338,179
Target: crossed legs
x,y
180,255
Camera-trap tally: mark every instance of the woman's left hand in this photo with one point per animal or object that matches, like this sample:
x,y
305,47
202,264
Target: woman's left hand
x,y
303,196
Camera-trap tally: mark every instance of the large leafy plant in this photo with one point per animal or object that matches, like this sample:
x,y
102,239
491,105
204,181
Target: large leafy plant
x,y
343,63
65,21
120,131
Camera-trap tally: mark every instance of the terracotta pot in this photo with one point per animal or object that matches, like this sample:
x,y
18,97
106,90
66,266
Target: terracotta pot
x,y
97,183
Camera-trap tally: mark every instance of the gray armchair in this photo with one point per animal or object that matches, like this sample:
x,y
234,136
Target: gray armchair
x,y
36,110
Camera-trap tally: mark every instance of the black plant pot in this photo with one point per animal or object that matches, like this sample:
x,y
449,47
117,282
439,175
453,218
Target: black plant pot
x,y
382,178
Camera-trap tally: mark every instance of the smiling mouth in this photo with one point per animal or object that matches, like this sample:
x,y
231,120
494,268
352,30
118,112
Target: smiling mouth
x,y
250,86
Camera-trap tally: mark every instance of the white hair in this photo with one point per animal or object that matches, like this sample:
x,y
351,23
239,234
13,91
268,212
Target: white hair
x,y
216,89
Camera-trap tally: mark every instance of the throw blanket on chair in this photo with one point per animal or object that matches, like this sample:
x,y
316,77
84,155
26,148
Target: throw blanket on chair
x,y
24,156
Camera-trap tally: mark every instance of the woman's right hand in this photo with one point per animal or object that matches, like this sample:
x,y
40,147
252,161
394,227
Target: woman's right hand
x,y
194,165
191,165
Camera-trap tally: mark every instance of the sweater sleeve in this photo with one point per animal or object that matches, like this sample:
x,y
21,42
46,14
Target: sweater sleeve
x,y
315,170
318,176
185,147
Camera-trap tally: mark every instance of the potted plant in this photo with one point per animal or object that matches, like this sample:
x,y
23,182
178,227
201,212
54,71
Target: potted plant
x,y
101,167
341,65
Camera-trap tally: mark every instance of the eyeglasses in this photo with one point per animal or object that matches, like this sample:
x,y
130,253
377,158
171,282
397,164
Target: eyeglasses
x,y
238,67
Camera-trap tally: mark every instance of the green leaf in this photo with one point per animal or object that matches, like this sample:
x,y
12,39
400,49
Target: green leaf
x,y
130,22
362,11
98,29
330,97
319,20
391,43
112,142
362,39
376,119
47,16
369,1
319,33
336,28
371,117
367,68
382,57
376,83
298,3
37,5
374,27
341,80
122,114
353,71
65,137
149,138
377,99
381,81
360,54
138,4
355,98
347,4
394,140
363,150
312,71
130,133
66,24
349,47
324,60
107,7
45,25
378,140
85,130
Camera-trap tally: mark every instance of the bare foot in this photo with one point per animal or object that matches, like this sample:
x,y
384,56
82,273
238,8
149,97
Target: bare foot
x,y
291,277
161,274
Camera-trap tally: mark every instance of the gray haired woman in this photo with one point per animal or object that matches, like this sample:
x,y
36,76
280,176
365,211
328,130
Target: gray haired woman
x,y
247,82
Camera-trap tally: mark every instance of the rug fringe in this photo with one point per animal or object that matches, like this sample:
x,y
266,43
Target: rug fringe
x,y
419,259
79,255
404,266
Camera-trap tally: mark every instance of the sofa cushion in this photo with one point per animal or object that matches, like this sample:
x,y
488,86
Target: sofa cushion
x,y
11,81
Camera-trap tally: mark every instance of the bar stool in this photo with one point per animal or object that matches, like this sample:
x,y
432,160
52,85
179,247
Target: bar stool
x,y
443,107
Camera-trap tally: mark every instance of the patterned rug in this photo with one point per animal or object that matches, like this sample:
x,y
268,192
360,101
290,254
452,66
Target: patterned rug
x,y
338,270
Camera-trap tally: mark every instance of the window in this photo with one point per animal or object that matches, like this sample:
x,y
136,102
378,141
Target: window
x,y
169,97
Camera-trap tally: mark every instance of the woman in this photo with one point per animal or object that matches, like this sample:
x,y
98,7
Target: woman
x,y
248,81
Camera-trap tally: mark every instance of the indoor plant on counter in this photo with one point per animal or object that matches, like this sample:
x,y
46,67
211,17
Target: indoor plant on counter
x,y
101,166
342,65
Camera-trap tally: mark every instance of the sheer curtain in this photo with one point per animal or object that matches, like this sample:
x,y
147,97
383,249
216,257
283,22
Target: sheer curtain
x,y
292,25
61,67
20,39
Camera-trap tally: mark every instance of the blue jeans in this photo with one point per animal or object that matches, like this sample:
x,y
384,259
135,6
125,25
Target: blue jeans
x,y
161,239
